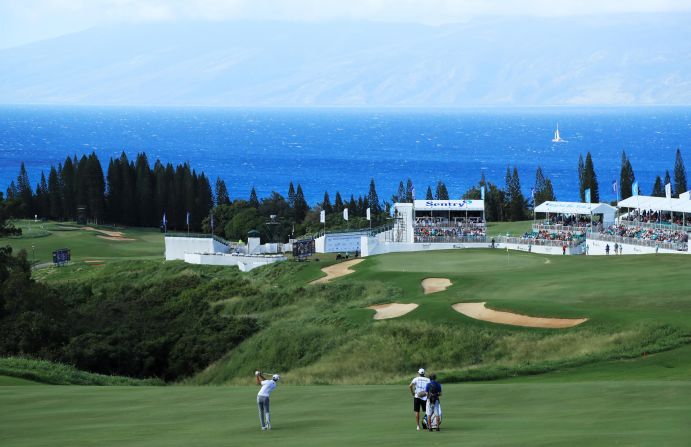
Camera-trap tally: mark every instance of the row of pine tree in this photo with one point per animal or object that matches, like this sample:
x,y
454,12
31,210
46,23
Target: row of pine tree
x,y
133,193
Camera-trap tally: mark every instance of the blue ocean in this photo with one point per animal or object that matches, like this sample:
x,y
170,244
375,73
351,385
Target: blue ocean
x,y
341,149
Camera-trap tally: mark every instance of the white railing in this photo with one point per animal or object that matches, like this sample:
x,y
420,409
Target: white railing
x,y
678,246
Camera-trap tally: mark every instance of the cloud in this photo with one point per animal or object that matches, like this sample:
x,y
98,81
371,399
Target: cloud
x,y
28,20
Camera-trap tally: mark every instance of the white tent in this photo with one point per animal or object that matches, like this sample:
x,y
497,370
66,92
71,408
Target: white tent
x,y
571,208
682,206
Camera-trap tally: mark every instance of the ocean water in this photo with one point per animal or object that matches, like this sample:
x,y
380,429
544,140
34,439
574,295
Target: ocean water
x,y
341,149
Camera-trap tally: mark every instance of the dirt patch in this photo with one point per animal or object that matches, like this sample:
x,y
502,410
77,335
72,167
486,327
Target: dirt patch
x,y
107,233
392,310
337,270
115,238
480,312
93,261
434,285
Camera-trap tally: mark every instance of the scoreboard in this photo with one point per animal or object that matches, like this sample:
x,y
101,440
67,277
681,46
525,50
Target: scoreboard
x,y
61,256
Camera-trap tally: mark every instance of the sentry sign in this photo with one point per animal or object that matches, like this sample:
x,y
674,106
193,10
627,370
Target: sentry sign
x,y
449,205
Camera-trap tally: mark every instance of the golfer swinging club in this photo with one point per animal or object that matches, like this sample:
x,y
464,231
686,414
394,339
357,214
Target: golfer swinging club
x,y
267,386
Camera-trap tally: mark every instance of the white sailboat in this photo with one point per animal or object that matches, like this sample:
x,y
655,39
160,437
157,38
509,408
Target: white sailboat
x,y
557,138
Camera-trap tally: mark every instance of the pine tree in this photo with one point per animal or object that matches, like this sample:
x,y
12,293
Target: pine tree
x,y
409,196
668,179
96,188
145,192
301,206
590,180
539,188
54,197
400,194
428,195
291,196
658,188
160,191
42,200
338,203
626,177
680,185
222,197
67,182
326,203
254,201
517,204
549,191
352,205
442,193
24,192
373,198
204,200
581,173
12,192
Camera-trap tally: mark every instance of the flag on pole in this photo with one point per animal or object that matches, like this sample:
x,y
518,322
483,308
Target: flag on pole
x,y
322,216
668,190
165,222
532,193
369,216
345,213
634,189
188,218
614,187
412,192
587,195
482,192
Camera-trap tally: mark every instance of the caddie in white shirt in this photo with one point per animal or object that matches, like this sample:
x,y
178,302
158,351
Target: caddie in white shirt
x,y
267,386
417,388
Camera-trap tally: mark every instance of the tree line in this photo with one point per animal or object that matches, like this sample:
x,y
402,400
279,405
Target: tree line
x,y
587,179
132,193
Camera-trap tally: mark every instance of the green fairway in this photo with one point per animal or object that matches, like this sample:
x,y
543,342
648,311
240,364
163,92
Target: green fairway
x,y
591,413
40,239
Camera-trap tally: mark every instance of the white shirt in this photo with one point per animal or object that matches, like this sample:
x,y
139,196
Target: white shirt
x,y
420,384
268,386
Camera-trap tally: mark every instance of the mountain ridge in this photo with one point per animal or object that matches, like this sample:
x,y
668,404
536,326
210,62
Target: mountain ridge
x,y
633,60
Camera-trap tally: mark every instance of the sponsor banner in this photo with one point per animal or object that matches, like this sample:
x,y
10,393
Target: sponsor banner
x,y
449,205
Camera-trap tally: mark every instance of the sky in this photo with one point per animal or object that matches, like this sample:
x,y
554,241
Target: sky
x,y
26,21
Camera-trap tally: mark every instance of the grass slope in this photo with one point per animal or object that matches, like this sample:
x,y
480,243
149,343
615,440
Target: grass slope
x,y
45,237
30,370
635,304
592,413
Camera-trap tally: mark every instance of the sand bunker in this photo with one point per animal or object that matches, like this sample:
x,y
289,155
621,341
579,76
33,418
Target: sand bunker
x,y
337,270
392,310
107,233
480,312
115,238
433,285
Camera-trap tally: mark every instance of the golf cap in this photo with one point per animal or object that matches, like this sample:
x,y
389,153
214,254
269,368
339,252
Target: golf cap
x,y
421,371
276,377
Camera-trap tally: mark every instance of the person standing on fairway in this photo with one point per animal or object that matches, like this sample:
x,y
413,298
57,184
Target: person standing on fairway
x,y
417,389
267,386
433,405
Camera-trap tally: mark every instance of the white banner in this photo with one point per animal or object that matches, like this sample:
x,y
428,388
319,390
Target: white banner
x,y
369,216
322,216
452,205
668,190
345,213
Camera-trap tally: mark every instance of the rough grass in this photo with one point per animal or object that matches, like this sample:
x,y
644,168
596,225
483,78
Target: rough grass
x,y
60,374
322,334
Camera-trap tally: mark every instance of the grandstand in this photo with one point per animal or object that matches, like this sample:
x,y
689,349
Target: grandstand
x,y
646,225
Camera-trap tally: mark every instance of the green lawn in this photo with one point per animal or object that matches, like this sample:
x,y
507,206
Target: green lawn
x,y
590,413
40,239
